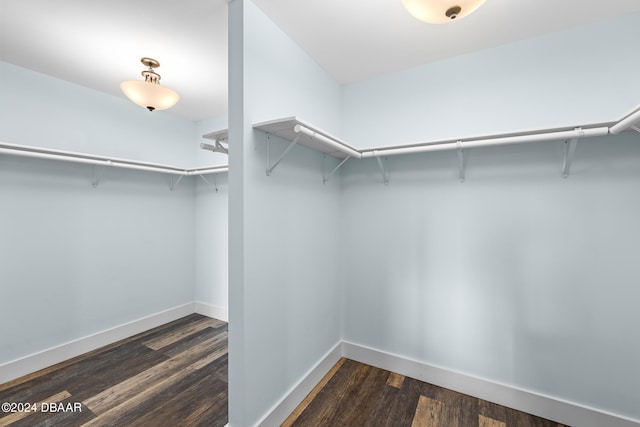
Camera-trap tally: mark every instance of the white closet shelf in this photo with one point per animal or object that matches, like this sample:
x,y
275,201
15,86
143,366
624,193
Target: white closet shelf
x,y
299,132
294,129
218,137
76,157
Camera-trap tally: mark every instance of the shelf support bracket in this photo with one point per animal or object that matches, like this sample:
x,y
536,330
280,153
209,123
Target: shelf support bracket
x,y
460,161
569,151
282,156
384,169
326,177
217,148
215,181
96,175
174,181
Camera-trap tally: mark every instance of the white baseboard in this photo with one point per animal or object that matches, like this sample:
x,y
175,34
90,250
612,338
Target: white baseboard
x,y
43,359
565,412
296,394
220,313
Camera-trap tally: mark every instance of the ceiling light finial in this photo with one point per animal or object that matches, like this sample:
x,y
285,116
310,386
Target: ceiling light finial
x,y
441,11
149,93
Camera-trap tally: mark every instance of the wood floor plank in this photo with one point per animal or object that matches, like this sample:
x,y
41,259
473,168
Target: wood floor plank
x,y
112,406
137,384
387,412
184,379
427,413
460,410
175,335
73,418
361,405
492,410
404,407
362,395
87,376
211,417
395,380
207,413
490,422
73,361
312,395
221,369
14,417
181,380
191,341
184,399
320,412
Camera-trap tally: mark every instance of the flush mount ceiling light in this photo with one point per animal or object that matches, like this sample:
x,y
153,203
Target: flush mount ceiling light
x,y
149,93
441,11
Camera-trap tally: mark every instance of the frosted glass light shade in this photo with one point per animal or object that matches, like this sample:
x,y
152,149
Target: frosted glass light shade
x,y
441,11
150,95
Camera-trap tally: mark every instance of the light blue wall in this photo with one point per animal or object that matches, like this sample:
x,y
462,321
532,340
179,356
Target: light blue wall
x,y
77,260
517,275
212,240
284,295
212,220
510,276
580,76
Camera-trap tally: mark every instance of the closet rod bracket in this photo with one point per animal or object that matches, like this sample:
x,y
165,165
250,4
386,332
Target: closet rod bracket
x,y
216,148
96,174
282,156
384,166
569,152
173,181
460,160
325,178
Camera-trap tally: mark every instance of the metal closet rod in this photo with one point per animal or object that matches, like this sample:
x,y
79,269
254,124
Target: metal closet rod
x,y
335,144
70,156
517,139
626,123
632,121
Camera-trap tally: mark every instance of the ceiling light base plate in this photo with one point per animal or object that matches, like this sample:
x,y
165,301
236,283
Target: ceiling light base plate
x,y
150,62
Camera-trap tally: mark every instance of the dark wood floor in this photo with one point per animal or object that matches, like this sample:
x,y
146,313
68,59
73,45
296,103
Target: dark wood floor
x,y
354,394
174,375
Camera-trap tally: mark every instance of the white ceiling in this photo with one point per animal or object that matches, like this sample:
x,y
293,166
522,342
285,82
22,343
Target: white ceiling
x,y
359,39
98,43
